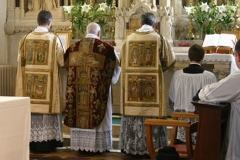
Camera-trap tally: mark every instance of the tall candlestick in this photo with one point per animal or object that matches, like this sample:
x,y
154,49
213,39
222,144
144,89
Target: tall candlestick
x,y
236,27
113,3
113,19
190,35
190,2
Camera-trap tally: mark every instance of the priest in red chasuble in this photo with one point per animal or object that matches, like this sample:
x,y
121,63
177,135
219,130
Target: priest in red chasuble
x,y
39,58
92,67
145,55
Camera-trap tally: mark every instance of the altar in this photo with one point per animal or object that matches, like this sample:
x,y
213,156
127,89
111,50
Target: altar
x,y
15,118
220,64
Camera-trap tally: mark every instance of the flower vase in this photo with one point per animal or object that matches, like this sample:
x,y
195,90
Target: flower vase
x,y
79,34
199,34
225,27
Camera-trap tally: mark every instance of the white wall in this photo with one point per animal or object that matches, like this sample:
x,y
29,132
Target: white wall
x,y
3,36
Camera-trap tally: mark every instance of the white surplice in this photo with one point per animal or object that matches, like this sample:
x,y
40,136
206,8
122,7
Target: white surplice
x,y
98,139
227,90
184,86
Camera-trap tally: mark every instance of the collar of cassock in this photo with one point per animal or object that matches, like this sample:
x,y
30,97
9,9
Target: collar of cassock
x,y
145,28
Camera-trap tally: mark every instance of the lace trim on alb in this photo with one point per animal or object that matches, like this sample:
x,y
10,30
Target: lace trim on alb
x,y
91,140
45,128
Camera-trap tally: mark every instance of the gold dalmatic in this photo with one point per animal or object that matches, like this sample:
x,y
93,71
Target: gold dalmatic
x,y
141,81
38,72
36,78
37,75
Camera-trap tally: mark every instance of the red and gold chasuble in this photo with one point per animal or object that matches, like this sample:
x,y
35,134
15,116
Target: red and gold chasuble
x,y
91,64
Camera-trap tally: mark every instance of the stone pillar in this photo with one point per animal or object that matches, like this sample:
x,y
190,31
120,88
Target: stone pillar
x,y
124,3
165,3
177,9
22,8
4,40
10,10
119,4
9,26
58,4
17,13
149,1
65,3
154,2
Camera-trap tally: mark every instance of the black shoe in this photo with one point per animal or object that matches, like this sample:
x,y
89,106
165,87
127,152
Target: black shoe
x,y
178,141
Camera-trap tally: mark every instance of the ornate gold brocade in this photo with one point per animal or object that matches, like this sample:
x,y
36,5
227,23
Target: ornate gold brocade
x,y
88,66
36,86
142,88
142,54
142,83
38,73
84,60
36,52
90,69
39,57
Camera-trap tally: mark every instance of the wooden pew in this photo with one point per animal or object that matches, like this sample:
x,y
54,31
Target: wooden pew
x,y
211,129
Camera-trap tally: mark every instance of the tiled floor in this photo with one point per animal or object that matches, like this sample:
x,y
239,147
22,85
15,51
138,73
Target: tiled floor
x,y
67,154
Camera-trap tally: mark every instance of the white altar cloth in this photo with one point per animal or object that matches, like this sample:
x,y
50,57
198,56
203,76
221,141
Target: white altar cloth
x,y
15,118
214,57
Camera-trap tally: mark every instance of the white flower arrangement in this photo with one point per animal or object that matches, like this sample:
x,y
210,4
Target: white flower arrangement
x,y
81,14
207,17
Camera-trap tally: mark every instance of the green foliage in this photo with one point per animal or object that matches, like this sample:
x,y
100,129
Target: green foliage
x,y
81,14
226,15
208,16
109,2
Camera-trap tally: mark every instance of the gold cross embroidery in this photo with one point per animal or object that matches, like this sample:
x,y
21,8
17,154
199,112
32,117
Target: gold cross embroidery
x,y
101,47
73,60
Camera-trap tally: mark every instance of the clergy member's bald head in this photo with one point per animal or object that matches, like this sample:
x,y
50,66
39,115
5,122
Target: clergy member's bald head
x,y
93,28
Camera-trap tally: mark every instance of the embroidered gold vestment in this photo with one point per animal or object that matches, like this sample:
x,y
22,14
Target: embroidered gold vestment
x,y
90,64
144,55
40,55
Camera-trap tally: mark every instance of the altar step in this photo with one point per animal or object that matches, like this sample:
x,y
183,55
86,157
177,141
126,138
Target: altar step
x,y
115,132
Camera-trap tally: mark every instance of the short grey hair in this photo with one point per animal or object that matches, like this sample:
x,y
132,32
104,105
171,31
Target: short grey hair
x,y
44,17
93,28
148,18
